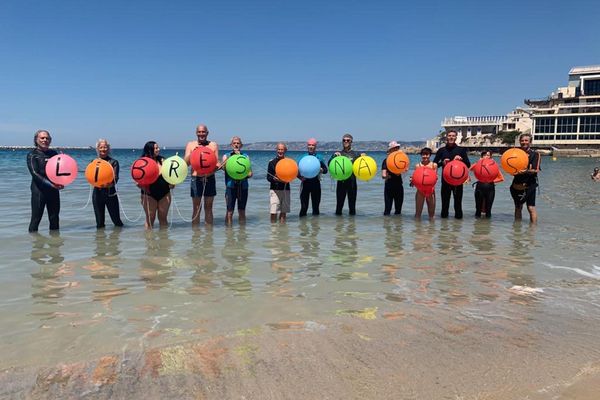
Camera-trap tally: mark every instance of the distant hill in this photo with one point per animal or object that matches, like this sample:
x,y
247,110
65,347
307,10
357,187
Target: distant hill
x,y
371,145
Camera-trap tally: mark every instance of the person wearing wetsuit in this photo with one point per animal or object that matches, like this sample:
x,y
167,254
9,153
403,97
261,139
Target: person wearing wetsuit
x,y
525,182
106,197
156,197
279,191
451,151
346,187
44,193
311,187
485,192
202,186
393,191
235,190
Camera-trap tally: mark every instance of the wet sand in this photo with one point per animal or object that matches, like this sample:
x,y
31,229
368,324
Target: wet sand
x,y
396,355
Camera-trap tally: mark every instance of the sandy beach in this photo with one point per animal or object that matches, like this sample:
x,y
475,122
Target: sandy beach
x,y
398,355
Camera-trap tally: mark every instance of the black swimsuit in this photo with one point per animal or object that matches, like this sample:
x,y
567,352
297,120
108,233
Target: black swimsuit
x,y
160,188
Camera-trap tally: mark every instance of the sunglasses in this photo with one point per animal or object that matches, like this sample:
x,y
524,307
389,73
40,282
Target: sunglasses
x,y
347,140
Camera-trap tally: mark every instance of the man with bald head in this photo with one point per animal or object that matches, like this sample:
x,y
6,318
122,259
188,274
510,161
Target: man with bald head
x,y
204,186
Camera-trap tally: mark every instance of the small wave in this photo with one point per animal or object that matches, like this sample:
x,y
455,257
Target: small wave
x,y
594,274
526,290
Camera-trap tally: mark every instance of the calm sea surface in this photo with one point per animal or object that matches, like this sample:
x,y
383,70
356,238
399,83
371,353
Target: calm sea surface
x,y
83,292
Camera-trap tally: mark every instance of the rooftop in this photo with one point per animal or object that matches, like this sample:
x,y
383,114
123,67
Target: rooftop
x,y
589,69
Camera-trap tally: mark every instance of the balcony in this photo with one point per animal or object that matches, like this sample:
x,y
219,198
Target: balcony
x,y
469,121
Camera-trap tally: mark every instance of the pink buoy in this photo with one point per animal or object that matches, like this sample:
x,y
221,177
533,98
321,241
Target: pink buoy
x,y
61,169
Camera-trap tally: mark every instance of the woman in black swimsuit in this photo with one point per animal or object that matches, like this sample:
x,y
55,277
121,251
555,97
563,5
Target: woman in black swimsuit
x,y
156,198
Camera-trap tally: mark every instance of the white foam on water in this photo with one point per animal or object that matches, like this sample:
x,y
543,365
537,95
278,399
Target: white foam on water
x,y
594,274
526,290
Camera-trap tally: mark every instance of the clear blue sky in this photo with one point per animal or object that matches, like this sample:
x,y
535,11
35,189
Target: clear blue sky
x,y
134,71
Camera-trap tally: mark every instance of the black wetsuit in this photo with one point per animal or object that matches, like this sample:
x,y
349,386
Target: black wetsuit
x,y
524,185
347,187
393,191
311,188
43,193
485,192
448,189
107,198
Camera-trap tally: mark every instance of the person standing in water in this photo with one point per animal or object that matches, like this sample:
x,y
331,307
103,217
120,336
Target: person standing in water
x,y
525,183
235,190
393,191
450,152
202,186
485,192
106,197
421,198
44,193
346,187
279,191
311,187
156,197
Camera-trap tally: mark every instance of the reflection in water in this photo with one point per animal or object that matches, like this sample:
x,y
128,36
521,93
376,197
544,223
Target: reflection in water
x,y
523,239
46,250
237,255
48,285
311,245
482,239
423,239
345,247
393,237
394,254
309,236
520,273
107,244
281,252
156,268
103,267
450,236
202,258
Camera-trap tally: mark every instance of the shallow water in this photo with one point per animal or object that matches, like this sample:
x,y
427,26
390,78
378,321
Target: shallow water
x,y
83,293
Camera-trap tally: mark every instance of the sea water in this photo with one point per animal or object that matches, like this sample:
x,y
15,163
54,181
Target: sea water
x,y
82,293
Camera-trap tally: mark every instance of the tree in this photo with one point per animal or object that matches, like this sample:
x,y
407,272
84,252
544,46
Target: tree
x,y
507,137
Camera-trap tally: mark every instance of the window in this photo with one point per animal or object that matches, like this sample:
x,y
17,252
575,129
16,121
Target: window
x,y
590,124
566,124
591,87
543,137
544,125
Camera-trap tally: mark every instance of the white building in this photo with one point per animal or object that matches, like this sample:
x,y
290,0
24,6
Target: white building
x,y
480,130
569,117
